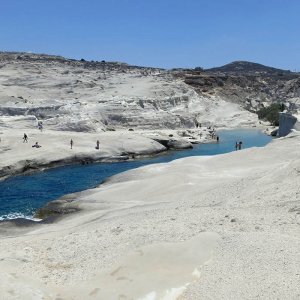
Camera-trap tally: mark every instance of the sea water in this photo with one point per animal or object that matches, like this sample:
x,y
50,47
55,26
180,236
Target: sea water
x,y
21,196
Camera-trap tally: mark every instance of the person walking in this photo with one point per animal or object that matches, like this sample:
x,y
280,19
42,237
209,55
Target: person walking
x,y
236,145
71,143
25,138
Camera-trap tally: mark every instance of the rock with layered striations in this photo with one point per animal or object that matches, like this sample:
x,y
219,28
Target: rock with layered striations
x,y
251,85
72,95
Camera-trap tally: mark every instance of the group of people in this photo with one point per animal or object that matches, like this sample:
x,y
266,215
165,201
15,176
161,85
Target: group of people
x,y
238,145
215,137
25,140
25,136
198,125
97,144
37,145
213,134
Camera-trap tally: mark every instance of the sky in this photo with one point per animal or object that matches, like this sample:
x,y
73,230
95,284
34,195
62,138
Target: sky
x,y
158,33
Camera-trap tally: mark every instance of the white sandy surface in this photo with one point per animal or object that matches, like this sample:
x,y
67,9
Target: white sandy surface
x,y
55,147
18,156
229,224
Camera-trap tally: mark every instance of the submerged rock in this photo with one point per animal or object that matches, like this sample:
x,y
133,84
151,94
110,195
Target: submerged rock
x,y
58,207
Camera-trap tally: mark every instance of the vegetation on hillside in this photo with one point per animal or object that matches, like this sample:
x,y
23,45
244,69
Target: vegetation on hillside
x,y
271,113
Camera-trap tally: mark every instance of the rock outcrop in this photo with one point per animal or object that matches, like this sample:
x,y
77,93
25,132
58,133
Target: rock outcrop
x,y
82,96
251,85
287,122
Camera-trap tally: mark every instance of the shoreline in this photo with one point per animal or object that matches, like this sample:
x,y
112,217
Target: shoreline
x,y
30,166
166,140
151,209
56,207
109,152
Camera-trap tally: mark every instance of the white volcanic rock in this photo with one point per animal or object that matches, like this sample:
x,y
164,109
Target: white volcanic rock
x,y
213,227
17,156
70,96
80,96
222,227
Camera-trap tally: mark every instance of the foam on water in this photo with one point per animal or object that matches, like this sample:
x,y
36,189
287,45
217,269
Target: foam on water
x,y
11,216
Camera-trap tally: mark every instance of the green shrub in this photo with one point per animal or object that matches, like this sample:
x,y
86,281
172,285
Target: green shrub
x,y
271,113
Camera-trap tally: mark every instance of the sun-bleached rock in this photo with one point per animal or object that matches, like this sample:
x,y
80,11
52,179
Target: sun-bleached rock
x,y
82,96
18,156
214,222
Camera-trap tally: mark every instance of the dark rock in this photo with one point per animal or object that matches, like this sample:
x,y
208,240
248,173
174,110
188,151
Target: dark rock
x,y
286,123
274,132
58,207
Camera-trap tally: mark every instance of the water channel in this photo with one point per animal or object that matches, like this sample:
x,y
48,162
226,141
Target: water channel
x,y
21,196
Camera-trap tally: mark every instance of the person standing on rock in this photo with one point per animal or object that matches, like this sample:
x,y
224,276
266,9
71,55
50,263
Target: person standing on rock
x,y
40,125
97,145
25,138
71,143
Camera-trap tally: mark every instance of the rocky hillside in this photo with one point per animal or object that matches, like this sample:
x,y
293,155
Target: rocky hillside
x,y
78,95
252,85
72,95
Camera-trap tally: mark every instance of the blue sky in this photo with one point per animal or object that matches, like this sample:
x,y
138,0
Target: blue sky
x,y
162,33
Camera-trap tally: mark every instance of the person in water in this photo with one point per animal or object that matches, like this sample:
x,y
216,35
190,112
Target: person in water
x,y
71,143
240,145
25,138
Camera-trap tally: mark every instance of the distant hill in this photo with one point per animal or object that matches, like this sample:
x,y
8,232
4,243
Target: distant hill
x,y
246,67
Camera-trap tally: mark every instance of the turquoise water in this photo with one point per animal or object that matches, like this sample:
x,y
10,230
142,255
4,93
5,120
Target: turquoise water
x,y
21,196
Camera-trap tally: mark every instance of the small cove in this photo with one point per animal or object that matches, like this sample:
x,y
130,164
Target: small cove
x,y
21,196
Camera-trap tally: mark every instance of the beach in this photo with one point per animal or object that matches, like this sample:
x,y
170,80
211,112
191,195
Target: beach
x,y
205,227
55,150
229,226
